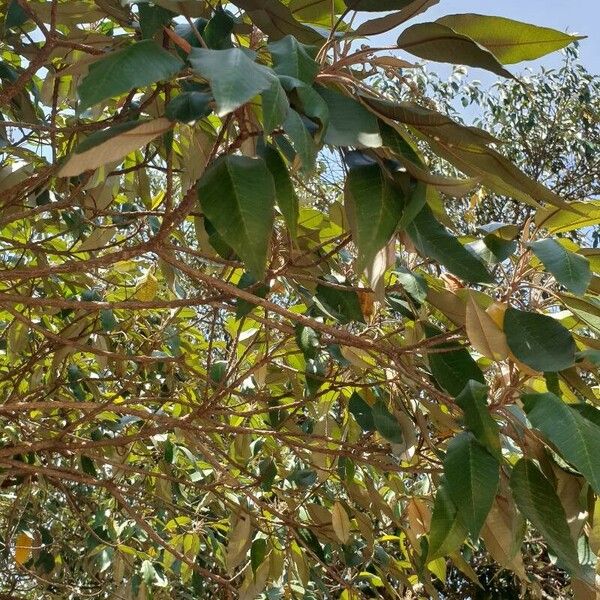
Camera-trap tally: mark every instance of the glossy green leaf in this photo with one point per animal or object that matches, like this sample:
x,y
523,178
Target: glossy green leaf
x,y
377,5
427,121
350,123
293,59
472,477
307,340
472,400
153,19
189,106
434,41
237,195
392,20
508,40
576,438
217,32
570,269
539,341
258,551
301,139
233,75
362,412
537,500
277,21
108,320
432,240
285,194
447,532
496,172
275,106
386,424
451,365
374,206
249,283
343,305
136,66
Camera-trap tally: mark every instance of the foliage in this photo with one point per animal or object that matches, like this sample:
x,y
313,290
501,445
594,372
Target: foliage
x,y
221,377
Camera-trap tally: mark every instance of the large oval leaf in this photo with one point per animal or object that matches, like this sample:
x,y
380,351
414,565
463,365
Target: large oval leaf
x,y
447,531
570,269
472,477
509,41
576,438
237,195
452,366
434,41
433,241
478,419
374,206
233,76
539,341
137,65
538,501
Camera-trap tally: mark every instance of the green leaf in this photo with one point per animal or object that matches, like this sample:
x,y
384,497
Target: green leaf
x,y
293,59
472,477
301,139
539,341
138,65
374,206
189,106
538,501
243,307
218,30
447,531
570,269
386,424
153,19
275,107
268,471
341,304
87,466
307,102
452,369
276,20
308,340
377,5
316,11
472,400
362,412
316,372
495,171
233,75
415,285
15,15
509,41
392,20
108,320
350,123
237,195
218,371
258,551
576,438
434,41
285,194
429,122
432,240
588,412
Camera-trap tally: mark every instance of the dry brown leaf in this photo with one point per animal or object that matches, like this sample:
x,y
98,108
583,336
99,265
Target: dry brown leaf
x,y
483,332
340,522
114,148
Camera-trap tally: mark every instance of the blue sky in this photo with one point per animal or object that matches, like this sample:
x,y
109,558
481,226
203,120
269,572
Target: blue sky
x,y
572,16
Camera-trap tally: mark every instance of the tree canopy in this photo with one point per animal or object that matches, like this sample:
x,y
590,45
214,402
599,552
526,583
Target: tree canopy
x,y
228,368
